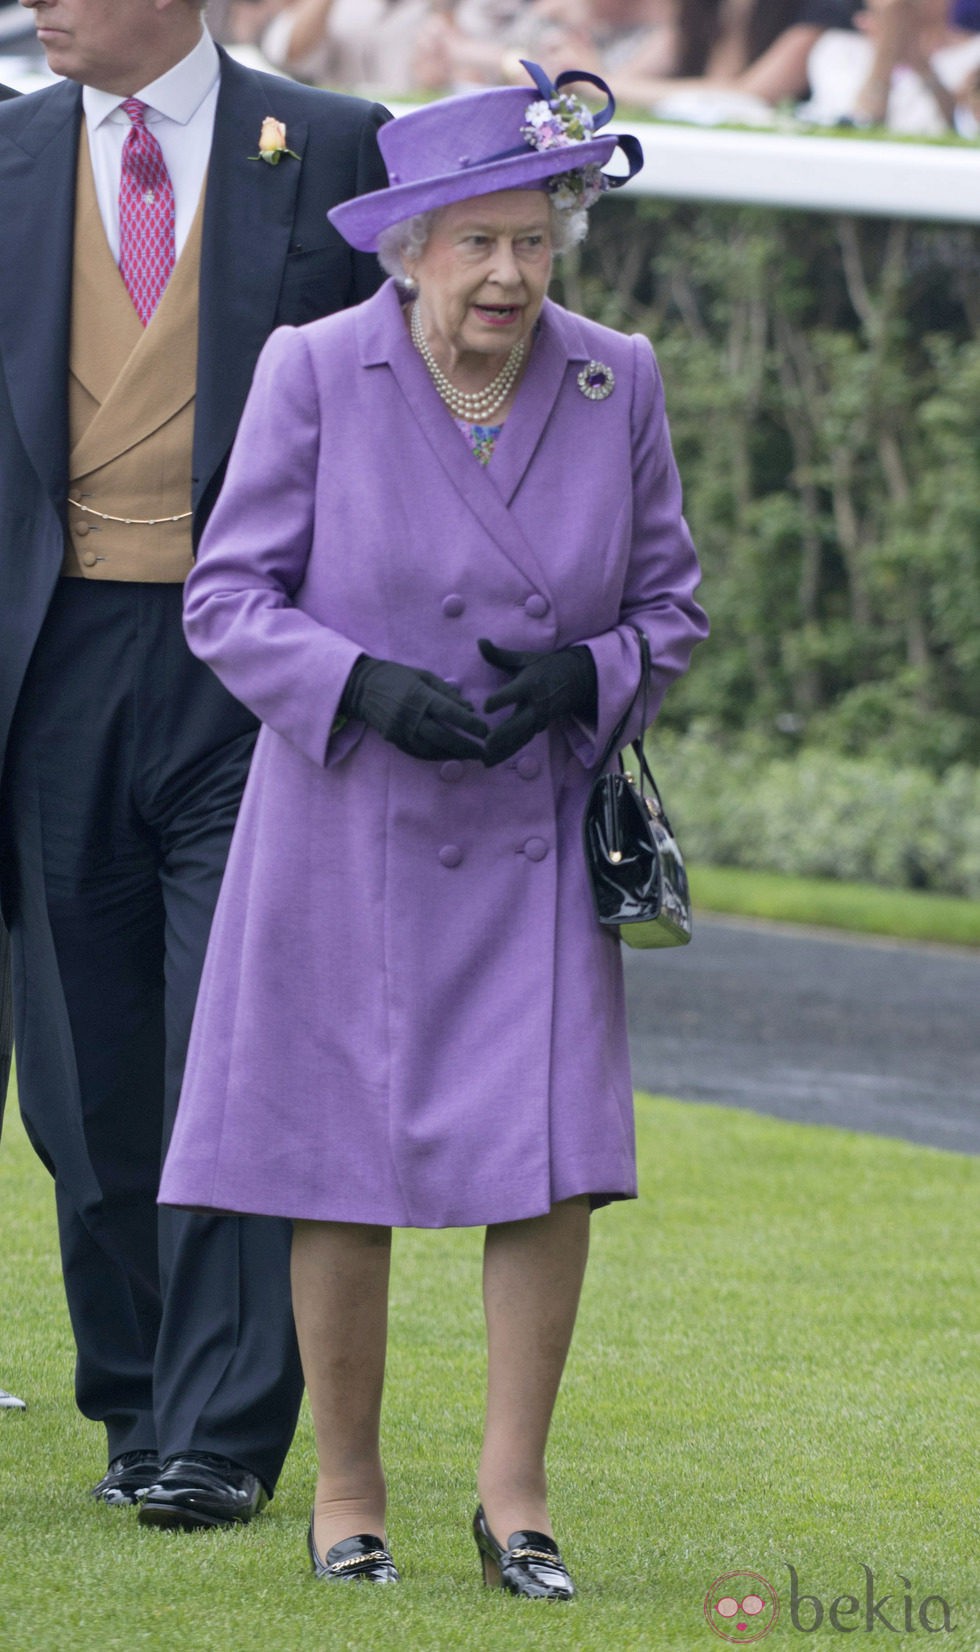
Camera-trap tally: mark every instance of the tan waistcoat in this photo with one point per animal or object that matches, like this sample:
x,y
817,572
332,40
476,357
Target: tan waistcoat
x,y
130,409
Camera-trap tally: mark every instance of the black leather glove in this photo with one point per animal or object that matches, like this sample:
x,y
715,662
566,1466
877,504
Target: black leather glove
x,y
415,710
543,687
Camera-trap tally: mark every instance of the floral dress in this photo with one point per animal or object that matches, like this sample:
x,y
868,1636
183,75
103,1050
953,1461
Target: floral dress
x,y
481,438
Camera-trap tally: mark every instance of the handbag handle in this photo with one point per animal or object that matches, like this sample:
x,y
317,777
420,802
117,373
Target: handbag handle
x,y
637,747
615,739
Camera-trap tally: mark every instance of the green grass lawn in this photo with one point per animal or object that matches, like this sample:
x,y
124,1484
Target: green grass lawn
x,y
863,908
776,1364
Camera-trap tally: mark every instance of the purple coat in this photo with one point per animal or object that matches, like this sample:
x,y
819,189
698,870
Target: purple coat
x,y
409,1014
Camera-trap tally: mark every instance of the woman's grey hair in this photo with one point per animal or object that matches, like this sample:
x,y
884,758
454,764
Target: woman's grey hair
x,y
407,239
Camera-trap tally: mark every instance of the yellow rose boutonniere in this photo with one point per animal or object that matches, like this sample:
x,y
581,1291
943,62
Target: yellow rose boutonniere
x,y
272,142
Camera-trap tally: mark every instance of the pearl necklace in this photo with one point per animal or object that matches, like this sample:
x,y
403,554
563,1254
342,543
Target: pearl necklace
x,y
476,406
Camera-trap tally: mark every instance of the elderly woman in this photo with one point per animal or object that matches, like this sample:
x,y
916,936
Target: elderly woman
x,y
446,514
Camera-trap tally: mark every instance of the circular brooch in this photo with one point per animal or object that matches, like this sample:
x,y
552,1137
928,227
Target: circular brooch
x,y
597,381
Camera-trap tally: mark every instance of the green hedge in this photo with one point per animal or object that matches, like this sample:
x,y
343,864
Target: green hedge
x,y
818,814
823,386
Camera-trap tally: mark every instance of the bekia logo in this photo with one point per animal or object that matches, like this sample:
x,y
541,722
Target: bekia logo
x,y
743,1606
865,1612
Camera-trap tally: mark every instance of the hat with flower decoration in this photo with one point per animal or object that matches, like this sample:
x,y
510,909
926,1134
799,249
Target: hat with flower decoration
x,y
480,142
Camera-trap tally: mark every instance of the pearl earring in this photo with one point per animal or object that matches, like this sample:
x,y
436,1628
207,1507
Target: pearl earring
x,y
409,283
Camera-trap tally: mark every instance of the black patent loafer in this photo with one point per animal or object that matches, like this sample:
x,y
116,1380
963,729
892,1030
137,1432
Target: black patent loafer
x,y
362,1559
127,1479
200,1490
530,1565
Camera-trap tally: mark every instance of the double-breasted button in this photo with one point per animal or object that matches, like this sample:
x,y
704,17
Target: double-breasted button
x,y
451,770
83,528
90,559
535,848
528,767
536,606
450,854
453,605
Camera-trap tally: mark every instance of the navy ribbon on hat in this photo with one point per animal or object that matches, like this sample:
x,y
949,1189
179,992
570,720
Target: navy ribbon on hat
x,y
569,77
548,90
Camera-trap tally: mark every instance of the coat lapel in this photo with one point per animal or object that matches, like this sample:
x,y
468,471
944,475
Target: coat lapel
x,y
248,218
557,344
37,178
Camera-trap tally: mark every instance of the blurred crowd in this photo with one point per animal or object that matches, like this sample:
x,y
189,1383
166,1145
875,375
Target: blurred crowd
x,y
911,65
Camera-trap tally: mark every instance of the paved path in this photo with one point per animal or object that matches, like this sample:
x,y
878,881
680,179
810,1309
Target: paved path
x,y
872,1035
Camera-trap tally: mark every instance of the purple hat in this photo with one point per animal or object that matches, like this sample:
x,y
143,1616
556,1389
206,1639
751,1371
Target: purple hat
x,y
484,141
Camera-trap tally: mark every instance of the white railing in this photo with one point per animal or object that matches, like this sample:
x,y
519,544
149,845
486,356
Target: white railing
x,y
892,179
806,170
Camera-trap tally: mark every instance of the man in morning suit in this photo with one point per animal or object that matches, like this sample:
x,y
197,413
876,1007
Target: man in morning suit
x,y
147,253
6,1011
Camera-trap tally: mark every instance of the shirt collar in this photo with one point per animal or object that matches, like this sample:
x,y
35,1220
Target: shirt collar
x,y
178,94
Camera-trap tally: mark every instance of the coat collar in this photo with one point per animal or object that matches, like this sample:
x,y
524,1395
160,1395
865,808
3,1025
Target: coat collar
x,y
178,93
559,342
383,339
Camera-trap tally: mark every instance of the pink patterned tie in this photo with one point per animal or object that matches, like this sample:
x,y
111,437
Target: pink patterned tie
x,y
146,215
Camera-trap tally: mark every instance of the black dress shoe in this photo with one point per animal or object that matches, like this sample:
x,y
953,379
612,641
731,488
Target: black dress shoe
x,y
530,1565
355,1559
127,1478
199,1490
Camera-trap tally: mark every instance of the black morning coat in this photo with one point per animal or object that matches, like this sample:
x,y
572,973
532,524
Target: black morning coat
x,y
269,258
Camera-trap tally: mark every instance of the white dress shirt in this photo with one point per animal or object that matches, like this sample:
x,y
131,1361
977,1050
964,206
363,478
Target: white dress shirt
x,y
180,114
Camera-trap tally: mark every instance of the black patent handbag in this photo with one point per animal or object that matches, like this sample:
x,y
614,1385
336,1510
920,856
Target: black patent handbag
x,y
639,882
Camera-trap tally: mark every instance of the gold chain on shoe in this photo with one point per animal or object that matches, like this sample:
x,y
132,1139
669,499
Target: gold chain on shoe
x,y
359,1560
